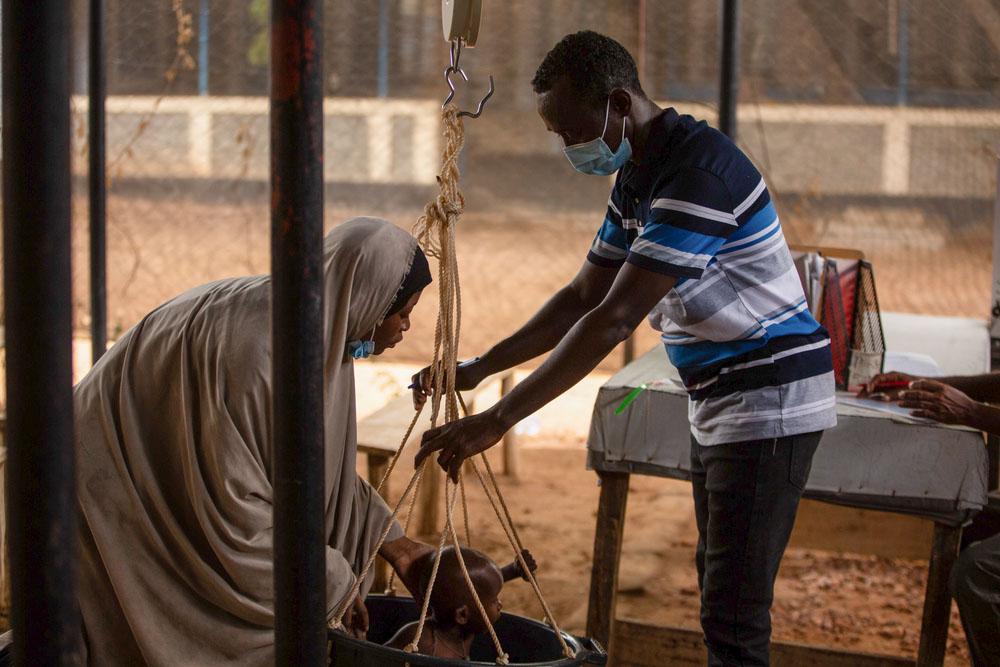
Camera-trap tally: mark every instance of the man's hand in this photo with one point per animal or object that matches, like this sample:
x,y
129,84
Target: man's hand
x,y
886,387
942,403
356,618
460,439
468,375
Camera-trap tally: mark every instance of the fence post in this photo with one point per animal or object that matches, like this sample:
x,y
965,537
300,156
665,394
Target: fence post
x,y
993,442
41,489
97,175
729,80
297,328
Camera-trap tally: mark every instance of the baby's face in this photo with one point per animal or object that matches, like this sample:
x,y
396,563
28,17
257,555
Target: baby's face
x,y
491,601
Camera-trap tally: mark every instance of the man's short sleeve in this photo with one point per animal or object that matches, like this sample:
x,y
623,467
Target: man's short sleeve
x,y
610,246
689,220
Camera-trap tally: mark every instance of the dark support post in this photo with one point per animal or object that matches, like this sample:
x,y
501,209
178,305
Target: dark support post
x,y
937,598
383,48
297,328
903,52
993,441
98,183
41,493
608,536
729,84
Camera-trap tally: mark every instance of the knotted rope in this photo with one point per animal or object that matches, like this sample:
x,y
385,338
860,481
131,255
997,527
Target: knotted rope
x,y
435,231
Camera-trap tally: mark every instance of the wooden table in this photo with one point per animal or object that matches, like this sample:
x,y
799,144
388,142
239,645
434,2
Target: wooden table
x,y
867,461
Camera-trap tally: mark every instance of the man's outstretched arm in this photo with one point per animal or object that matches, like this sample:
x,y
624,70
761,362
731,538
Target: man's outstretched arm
x,y
634,293
539,335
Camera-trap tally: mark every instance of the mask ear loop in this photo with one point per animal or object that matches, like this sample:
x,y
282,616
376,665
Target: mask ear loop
x,y
607,116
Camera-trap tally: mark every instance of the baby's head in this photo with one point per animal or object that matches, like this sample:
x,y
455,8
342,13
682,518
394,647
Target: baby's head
x,y
451,600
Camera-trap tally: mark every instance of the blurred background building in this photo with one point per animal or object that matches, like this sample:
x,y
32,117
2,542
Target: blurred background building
x,y
876,123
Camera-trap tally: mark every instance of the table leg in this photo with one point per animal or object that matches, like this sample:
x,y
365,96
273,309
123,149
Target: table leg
x,y
937,599
429,500
510,459
607,553
377,465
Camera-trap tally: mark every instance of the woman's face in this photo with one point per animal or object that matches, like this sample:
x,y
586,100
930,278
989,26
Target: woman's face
x,y
390,332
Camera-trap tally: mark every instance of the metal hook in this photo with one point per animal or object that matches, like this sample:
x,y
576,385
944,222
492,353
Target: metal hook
x,y
455,57
447,77
482,103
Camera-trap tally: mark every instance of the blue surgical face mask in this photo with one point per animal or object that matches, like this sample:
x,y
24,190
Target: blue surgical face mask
x,y
596,157
362,349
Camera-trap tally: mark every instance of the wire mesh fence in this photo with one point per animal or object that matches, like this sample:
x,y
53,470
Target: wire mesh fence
x,y
876,124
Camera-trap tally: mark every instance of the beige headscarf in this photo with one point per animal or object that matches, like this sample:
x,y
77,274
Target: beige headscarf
x,y
173,438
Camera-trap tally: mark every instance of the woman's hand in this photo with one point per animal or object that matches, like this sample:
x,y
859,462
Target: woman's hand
x,y
409,558
940,402
356,618
460,439
468,375
887,386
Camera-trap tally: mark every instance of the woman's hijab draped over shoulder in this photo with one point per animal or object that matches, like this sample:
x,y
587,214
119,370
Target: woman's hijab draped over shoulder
x,y
174,454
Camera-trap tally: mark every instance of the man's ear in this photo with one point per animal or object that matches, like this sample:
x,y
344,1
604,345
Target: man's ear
x,y
462,615
621,101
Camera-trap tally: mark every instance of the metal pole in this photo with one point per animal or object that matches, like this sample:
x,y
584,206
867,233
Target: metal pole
x,y
203,23
41,494
903,47
97,91
383,48
993,442
297,328
729,84
641,46
995,309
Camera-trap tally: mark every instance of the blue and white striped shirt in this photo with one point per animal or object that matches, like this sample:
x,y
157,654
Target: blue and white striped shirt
x,y
755,362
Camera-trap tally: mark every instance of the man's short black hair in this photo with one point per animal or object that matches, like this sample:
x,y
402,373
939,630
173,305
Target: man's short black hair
x,y
594,64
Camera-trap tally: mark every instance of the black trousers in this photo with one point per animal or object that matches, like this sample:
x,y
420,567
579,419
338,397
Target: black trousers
x,y
975,583
745,498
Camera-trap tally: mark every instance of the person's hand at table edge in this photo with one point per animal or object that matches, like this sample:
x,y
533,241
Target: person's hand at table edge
x,y
886,386
929,399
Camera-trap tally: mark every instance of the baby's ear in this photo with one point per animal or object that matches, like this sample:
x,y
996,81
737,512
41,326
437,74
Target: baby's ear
x,y
462,615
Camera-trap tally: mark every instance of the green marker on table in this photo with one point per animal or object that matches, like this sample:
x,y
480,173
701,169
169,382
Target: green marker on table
x,y
628,399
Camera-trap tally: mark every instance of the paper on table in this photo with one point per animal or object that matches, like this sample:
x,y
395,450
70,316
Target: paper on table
x,y
914,363
846,398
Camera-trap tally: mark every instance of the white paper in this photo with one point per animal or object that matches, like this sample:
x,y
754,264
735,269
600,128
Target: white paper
x,y
914,363
882,407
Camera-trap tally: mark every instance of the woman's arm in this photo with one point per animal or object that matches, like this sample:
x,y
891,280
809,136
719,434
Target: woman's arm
x,y
403,637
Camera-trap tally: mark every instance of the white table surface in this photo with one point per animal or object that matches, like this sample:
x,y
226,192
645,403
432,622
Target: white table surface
x,y
869,460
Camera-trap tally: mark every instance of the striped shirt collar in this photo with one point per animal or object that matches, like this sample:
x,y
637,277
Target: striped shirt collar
x,y
640,177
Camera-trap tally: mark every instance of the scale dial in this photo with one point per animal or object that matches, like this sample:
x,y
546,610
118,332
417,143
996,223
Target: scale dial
x,y
460,20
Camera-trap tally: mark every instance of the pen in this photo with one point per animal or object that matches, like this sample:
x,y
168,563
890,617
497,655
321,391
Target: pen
x,y
469,362
889,386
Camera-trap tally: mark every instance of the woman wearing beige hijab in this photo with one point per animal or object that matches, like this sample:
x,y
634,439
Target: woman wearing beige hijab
x,y
174,453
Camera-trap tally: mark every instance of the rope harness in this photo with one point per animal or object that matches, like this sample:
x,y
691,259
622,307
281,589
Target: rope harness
x,y
435,231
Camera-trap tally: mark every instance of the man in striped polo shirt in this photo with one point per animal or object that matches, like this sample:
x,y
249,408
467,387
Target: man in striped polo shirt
x,y
691,239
